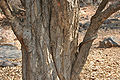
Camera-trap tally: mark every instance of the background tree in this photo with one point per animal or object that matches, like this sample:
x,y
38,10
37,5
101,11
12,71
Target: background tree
x,y
48,33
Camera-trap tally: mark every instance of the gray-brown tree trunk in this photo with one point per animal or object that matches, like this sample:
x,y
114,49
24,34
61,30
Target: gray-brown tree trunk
x,y
49,39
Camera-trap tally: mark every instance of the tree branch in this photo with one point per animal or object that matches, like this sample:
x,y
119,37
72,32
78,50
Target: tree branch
x,y
5,9
102,6
110,10
89,37
16,23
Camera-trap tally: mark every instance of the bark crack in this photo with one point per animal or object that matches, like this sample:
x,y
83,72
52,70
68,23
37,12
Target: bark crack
x,y
51,46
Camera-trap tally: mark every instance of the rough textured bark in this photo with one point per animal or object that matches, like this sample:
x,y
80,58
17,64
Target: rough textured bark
x,y
23,2
49,38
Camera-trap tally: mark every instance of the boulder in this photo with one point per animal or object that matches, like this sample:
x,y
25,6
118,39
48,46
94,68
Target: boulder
x,y
10,54
6,63
109,42
9,46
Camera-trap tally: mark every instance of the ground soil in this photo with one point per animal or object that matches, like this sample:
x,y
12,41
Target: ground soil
x,y
103,63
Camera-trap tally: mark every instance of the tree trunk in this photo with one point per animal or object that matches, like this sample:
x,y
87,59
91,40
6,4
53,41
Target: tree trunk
x,y
49,39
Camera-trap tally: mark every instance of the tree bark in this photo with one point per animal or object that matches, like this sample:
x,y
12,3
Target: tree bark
x,y
50,39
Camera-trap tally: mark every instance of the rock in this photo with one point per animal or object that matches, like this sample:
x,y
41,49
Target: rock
x,y
86,25
9,51
109,42
16,63
112,23
80,29
8,46
82,4
5,63
80,25
108,21
14,54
